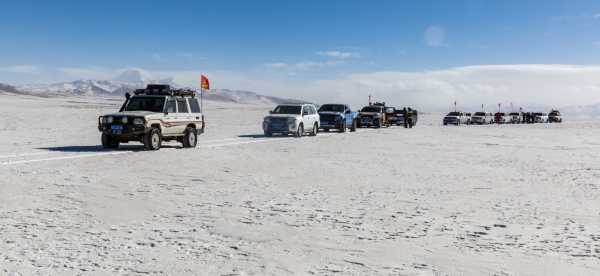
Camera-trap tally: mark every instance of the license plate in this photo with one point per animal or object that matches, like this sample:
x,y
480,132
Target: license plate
x,y
116,129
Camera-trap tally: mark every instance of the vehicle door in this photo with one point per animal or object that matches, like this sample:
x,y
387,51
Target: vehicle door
x,y
313,116
196,114
170,117
348,116
306,117
184,117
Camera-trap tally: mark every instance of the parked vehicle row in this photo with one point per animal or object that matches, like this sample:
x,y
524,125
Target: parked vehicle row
x,y
300,119
486,118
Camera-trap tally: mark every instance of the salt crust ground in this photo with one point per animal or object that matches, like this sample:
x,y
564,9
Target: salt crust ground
x,y
479,200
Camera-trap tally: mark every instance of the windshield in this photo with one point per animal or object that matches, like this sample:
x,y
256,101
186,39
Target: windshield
x,y
371,109
332,108
287,109
479,113
152,104
454,114
555,113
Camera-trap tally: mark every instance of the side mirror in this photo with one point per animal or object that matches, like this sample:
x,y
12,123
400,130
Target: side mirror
x,y
127,95
270,111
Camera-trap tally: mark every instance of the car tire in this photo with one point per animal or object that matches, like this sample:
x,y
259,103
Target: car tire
x,y
315,130
190,138
354,126
108,142
299,131
343,127
153,140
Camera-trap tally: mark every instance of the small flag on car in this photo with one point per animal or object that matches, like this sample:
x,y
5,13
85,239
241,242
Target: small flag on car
x,y
204,83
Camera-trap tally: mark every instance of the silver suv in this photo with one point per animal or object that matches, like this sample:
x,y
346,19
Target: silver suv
x,y
296,119
153,115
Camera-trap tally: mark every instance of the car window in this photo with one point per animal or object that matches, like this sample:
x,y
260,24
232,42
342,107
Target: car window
x,y
170,107
313,110
194,106
182,106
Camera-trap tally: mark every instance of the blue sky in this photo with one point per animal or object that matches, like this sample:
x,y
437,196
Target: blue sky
x,y
289,40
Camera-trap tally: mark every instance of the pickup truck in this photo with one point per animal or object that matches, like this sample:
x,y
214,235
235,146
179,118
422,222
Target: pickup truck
x,y
337,116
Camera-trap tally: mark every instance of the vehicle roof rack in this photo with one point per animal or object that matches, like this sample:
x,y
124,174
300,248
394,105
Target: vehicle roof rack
x,y
164,90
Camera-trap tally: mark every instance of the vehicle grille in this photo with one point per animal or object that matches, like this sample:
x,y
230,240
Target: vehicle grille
x,y
328,117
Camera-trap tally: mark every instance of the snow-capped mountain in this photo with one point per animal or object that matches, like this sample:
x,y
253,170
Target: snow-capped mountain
x,y
127,81
130,80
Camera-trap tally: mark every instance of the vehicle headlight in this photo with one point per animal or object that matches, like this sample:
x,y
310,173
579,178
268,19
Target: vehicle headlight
x,y
138,121
291,120
109,119
124,120
377,115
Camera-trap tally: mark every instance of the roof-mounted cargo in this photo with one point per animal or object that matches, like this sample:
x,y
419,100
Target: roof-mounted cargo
x,y
165,90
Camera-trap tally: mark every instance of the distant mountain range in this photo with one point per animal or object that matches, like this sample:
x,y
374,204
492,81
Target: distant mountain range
x,y
128,81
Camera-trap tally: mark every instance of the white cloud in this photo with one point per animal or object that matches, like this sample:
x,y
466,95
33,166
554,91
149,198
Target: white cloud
x,y
277,65
20,69
435,36
338,54
302,66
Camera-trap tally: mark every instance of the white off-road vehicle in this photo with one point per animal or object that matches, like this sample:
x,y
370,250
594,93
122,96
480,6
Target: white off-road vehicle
x,y
296,119
153,115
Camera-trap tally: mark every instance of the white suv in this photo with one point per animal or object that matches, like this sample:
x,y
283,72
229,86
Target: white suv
x,y
296,119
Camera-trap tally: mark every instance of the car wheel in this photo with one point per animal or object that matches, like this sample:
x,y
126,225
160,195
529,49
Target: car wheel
x,y
109,142
300,131
153,140
315,130
190,138
343,127
354,125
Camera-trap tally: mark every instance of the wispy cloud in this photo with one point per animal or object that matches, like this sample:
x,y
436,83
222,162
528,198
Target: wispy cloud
x,y
338,54
435,36
580,17
302,66
20,69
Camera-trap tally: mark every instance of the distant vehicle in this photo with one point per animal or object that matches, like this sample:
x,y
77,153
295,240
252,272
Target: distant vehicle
x,y
515,117
455,118
386,121
554,117
153,115
372,115
540,117
390,115
501,118
399,116
337,116
468,115
482,118
296,119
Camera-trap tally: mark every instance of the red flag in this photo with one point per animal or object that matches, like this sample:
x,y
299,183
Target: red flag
x,y
204,83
